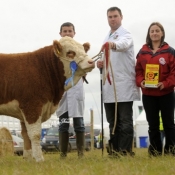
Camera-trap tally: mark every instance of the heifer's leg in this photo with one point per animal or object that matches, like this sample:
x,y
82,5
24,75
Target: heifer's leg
x,y
34,132
27,150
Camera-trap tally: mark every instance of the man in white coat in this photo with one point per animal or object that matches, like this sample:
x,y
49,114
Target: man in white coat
x,y
123,65
71,106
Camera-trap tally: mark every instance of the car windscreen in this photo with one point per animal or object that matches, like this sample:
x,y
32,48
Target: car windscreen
x,y
53,131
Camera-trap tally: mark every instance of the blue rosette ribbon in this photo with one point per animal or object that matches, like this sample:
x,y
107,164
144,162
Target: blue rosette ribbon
x,y
73,67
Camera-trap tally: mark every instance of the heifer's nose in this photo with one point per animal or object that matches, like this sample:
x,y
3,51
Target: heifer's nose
x,y
90,62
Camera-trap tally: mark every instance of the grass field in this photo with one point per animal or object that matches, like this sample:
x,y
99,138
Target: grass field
x,y
92,164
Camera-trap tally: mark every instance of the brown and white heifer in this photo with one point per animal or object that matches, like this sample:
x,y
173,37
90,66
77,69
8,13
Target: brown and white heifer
x,y
32,84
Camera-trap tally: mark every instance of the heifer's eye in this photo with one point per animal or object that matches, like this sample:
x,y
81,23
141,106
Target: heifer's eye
x,y
70,54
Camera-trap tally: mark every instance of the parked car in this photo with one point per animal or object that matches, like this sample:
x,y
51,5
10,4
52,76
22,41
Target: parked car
x,y
72,142
50,142
18,145
88,135
43,132
16,133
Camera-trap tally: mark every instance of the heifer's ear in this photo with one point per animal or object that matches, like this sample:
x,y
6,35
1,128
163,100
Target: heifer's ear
x,y
57,47
86,46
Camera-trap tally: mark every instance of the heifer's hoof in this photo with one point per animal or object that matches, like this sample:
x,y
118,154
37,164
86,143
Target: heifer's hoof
x,y
41,159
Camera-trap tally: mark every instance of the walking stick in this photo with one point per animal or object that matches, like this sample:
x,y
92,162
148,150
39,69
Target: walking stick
x,y
101,90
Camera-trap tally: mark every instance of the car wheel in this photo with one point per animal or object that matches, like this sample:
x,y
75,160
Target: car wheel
x,y
19,153
107,149
44,151
88,146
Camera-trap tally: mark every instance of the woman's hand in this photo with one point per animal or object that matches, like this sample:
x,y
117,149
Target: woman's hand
x,y
143,84
160,85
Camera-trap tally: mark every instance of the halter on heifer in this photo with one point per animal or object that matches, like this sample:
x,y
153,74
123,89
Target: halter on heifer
x,y
107,64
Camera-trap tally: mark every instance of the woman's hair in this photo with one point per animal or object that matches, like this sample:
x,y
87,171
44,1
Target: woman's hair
x,y
148,39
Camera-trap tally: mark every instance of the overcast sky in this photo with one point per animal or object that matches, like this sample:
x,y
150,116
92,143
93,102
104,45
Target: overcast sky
x,y
27,25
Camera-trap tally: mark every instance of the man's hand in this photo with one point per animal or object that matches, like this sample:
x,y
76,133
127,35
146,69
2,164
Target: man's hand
x,y
112,45
100,64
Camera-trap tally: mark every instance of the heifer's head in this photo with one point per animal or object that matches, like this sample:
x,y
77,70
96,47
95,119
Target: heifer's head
x,y
75,60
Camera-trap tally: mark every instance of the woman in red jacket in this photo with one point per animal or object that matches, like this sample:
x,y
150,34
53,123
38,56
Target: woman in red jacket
x,y
155,74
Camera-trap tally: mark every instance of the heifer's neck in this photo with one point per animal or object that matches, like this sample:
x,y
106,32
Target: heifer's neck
x,y
68,74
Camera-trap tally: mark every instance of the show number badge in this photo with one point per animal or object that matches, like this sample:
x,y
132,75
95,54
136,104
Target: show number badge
x,y
162,61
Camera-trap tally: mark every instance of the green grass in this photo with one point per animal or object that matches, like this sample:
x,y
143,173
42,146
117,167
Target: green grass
x,y
92,164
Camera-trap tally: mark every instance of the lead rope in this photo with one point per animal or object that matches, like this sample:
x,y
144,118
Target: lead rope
x,y
115,95
106,49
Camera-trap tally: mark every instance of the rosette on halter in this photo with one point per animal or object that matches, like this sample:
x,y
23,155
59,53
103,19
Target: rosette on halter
x,y
73,67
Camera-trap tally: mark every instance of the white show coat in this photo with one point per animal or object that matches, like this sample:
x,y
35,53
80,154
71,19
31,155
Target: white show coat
x,y
123,65
72,101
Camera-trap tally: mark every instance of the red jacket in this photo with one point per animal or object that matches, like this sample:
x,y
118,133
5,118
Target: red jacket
x,y
166,69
